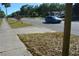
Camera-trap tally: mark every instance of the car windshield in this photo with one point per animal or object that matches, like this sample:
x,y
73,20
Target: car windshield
x,y
57,18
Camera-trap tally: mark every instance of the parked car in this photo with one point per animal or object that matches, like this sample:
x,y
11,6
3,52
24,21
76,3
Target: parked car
x,y
52,19
62,16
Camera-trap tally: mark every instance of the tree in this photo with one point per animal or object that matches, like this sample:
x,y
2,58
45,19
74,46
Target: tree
x,y
2,14
41,10
6,5
67,29
24,10
48,8
17,16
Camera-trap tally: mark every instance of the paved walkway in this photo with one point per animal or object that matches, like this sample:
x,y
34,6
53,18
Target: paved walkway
x,y
10,45
32,29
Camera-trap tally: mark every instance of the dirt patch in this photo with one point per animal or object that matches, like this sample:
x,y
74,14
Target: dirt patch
x,y
48,44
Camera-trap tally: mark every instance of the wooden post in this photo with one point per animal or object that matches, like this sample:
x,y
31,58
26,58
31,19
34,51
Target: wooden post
x,y
67,29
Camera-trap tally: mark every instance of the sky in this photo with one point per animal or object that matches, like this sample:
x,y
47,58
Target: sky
x,y
14,7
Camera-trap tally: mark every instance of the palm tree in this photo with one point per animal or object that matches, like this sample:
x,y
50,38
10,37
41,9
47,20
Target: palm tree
x,y
67,29
6,5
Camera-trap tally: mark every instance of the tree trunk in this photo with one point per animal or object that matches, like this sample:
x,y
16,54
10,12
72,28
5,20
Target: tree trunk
x,y
6,14
67,29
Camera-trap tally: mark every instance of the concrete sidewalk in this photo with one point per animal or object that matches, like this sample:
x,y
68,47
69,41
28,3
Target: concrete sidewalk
x,y
10,45
32,29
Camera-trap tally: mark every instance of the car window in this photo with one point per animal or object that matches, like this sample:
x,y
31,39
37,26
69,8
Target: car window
x,y
56,18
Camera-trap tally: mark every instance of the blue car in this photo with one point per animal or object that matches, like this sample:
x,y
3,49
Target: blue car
x,y
52,19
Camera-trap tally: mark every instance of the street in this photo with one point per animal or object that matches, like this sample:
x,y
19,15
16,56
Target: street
x,y
39,22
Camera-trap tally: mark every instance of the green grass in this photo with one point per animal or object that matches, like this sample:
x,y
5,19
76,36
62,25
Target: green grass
x,y
48,44
0,21
18,24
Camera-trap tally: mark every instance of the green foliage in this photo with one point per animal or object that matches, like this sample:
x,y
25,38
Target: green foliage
x,y
6,5
2,14
39,10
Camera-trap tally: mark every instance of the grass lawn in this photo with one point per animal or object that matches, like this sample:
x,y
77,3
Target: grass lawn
x,y
0,21
48,44
17,24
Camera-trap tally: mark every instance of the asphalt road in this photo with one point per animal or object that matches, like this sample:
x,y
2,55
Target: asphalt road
x,y
39,22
